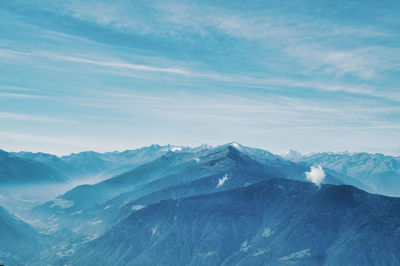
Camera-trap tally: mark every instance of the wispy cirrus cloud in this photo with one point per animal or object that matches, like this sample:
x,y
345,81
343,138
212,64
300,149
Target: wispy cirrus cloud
x,y
257,72
201,18
246,111
362,63
6,136
17,141
20,95
299,40
365,62
120,64
14,88
32,118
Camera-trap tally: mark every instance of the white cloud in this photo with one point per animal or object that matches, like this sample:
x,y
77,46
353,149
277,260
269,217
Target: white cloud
x,y
316,174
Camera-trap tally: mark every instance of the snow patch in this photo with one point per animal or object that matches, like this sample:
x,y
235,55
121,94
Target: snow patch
x,y
208,254
267,232
66,250
77,212
172,148
126,202
236,145
297,255
154,231
91,237
137,207
51,229
94,222
28,200
62,203
222,180
259,252
245,246
316,174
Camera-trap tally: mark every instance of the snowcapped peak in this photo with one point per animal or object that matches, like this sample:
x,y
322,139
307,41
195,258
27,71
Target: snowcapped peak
x,y
172,148
292,155
176,148
236,145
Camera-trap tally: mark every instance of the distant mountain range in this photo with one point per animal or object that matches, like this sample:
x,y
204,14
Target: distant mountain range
x,y
377,172
225,205
175,174
17,170
94,164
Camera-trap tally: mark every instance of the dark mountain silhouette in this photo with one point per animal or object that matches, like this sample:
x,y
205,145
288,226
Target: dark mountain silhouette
x,y
275,222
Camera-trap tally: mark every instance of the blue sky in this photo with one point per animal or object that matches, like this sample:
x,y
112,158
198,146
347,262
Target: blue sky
x,y
116,75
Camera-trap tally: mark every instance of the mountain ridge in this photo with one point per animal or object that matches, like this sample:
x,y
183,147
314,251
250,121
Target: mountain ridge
x,y
259,207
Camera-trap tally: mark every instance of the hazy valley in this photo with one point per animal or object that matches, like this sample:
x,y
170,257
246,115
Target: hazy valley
x,y
224,205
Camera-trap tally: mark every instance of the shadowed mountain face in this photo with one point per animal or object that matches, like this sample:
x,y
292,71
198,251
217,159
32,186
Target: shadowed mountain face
x,y
51,161
111,164
276,222
175,168
377,172
229,205
18,241
101,165
92,209
16,170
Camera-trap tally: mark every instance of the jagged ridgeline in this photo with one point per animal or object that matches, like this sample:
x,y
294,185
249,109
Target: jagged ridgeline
x,y
225,205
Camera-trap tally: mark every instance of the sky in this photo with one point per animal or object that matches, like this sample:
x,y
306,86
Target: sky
x,y
310,75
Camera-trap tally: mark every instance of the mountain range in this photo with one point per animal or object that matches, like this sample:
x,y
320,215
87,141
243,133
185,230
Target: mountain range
x,y
224,205
275,222
377,172
19,170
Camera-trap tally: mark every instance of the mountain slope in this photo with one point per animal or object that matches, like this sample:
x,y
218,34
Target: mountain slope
x,y
110,164
223,168
377,172
93,209
15,170
51,161
276,222
18,241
